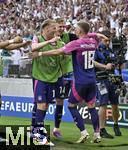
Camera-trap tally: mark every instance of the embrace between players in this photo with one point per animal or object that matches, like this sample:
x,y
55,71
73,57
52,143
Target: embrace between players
x,y
51,62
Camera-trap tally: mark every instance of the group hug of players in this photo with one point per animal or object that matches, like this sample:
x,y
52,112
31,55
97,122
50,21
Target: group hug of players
x,y
56,53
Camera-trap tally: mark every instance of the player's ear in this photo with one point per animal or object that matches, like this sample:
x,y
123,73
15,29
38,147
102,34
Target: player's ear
x,y
42,31
80,31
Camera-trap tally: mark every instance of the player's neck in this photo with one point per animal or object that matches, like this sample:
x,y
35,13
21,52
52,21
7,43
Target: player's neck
x,y
46,37
83,36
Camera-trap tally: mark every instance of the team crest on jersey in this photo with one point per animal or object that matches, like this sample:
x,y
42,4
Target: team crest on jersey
x,y
39,98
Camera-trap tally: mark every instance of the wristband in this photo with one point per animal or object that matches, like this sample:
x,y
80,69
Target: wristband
x,y
40,54
11,41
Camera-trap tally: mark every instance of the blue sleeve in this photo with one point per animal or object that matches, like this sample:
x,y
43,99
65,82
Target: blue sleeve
x,y
96,55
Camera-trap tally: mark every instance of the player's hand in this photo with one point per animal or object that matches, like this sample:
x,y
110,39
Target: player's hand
x,y
33,55
109,66
18,39
54,39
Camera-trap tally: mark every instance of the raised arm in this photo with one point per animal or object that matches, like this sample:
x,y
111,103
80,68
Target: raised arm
x,y
36,46
98,36
4,44
16,45
101,36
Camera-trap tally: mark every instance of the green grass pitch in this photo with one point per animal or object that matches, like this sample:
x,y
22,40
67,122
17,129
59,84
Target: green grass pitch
x,y
71,134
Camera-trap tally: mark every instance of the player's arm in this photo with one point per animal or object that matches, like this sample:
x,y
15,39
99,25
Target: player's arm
x,y
16,45
98,36
108,66
36,54
52,52
37,46
4,44
67,49
101,36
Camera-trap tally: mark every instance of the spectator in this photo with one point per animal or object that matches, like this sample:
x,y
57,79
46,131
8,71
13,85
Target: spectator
x,y
25,17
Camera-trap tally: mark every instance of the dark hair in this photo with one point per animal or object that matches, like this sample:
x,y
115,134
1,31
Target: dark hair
x,y
46,23
107,33
84,26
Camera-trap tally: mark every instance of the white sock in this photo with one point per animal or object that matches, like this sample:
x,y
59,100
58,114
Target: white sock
x,y
97,134
84,132
55,129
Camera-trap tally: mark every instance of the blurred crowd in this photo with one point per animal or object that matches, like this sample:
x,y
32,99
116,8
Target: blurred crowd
x,y
24,17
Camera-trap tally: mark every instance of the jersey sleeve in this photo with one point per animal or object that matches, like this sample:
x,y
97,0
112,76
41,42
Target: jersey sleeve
x,y
98,51
96,55
35,40
70,47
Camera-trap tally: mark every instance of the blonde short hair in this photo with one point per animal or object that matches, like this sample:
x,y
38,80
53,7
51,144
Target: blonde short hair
x,y
47,23
84,26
